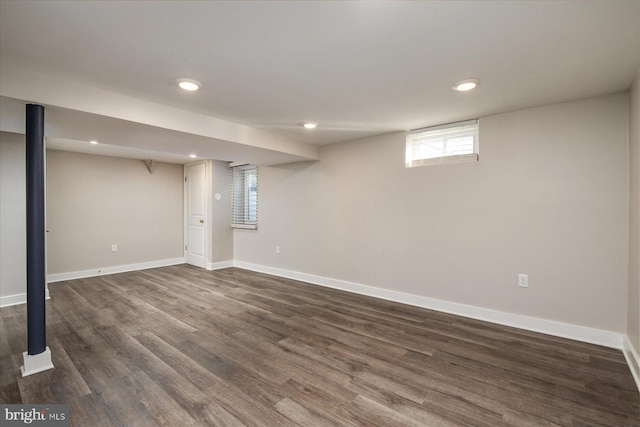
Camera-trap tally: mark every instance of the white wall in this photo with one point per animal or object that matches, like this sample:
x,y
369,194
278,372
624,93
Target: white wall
x,y
96,201
13,222
549,197
633,317
221,234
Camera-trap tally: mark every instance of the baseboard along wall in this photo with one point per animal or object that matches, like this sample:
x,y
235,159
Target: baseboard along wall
x,y
633,360
18,299
52,278
550,327
219,265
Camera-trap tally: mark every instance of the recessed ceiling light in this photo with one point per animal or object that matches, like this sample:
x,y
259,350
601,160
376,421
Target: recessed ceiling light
x,y
193,156
93,142
466,85
310,125
189,84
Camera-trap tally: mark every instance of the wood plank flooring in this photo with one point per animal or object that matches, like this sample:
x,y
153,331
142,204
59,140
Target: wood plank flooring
x,y
182,346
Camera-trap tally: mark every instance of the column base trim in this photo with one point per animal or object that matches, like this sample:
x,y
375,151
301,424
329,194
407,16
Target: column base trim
x,y
36,363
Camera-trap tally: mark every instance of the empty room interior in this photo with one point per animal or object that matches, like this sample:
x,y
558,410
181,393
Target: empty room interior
x,y
311,213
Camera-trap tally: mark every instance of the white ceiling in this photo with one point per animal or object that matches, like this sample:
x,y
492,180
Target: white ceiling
x,y
358,68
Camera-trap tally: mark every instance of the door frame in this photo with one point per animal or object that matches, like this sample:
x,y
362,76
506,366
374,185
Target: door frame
x,y
185,213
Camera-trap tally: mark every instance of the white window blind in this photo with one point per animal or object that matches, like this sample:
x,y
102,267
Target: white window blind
x,y
450,143
245,197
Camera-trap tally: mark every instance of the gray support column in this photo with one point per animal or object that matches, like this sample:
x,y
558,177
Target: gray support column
x,y
38,356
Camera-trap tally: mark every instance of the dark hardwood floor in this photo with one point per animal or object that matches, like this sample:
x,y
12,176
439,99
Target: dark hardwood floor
x,y
182,346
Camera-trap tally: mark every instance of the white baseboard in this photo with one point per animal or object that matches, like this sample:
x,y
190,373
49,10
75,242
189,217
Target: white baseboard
x,y
13,300
219,265
565,330
631,354
549,327
19,299
51,278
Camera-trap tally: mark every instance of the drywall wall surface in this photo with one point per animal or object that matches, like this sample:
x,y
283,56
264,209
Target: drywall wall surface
x,y
220,199
633,309
94,202
548,198
13,222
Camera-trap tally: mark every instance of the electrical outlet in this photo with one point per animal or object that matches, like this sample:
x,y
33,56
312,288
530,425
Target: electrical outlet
x,y
277,249
523,280
114,248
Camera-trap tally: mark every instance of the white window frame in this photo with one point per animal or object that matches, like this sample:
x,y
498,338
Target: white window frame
x,y
241,215
467,128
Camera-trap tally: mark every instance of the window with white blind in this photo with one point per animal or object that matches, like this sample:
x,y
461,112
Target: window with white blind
x,y
450,143
245,197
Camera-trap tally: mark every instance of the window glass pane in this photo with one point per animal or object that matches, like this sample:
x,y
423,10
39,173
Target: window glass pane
x,y
245,197
252,196
457,141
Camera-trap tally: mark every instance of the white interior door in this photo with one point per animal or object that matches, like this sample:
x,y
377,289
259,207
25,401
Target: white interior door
x,y
195,215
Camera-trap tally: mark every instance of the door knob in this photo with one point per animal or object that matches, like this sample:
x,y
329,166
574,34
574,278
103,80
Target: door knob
x,y
47,229
202,221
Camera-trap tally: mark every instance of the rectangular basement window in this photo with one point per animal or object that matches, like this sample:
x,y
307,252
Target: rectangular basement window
x,y
245,197
451,143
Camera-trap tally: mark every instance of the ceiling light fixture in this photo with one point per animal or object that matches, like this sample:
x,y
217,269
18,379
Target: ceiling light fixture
x,y
466,85
310,125
193,156
189,84
93,142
